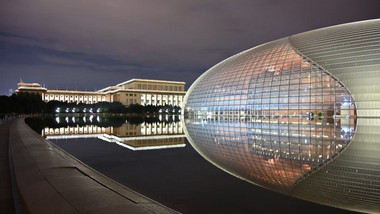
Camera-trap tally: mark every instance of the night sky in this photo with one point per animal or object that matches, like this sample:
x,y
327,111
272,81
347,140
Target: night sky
x,y
88,45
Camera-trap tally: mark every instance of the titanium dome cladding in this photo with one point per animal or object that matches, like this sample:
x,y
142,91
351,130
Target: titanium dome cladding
x,y
299,115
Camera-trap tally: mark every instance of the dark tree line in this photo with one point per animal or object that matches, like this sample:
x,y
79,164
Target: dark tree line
x,y
32,103
101,107
22,103
106,107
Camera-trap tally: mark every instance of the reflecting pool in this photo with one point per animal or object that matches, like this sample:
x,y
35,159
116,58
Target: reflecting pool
x,y
152,157
162,134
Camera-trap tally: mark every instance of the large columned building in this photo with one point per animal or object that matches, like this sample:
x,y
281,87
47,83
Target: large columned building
x,y
135,91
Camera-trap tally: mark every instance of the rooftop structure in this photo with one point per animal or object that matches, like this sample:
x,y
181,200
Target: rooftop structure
x,y
30,87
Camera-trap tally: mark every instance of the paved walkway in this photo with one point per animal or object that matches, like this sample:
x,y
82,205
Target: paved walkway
x,y
51,181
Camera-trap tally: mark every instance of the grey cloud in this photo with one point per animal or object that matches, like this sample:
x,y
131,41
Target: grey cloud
x,y
160,38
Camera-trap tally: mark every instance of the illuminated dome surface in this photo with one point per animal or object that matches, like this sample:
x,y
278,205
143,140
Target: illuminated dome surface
x,y
299,115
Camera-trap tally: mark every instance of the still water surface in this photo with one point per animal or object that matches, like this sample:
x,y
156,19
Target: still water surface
x,y
154,158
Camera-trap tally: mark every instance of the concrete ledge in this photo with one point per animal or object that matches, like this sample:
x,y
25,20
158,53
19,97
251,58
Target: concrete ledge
x,y
51,181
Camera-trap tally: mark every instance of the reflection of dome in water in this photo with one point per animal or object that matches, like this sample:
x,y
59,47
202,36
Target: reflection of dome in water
x,y
298,115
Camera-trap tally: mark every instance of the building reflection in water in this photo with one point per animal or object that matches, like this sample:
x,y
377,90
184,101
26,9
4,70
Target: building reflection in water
x,y
142,136
336,166
272,152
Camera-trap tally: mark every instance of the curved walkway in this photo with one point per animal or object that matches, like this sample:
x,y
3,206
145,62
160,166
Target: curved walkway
x,y
51,181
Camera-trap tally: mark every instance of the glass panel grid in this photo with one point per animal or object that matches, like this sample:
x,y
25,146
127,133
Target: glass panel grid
x,y
269,115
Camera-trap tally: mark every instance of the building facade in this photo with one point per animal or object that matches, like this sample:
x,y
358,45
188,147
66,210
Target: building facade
x,y
299,115
135,91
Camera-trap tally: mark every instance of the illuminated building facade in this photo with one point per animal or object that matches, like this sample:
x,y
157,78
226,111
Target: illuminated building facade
x,y
299,115
135,91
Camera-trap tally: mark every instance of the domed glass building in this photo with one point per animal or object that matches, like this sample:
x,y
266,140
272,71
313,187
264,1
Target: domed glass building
x,y
299,115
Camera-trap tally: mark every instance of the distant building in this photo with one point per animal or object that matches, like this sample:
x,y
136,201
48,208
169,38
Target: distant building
x,y
135,91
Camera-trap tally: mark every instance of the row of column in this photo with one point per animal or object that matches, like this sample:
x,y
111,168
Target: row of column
x,y
90,129
159,99
161,128
88,99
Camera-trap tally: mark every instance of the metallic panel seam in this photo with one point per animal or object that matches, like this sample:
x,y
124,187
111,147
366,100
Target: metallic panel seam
x,y
322,166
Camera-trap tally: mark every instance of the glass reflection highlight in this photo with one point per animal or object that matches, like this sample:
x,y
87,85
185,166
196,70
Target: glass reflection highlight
x,y
272,155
